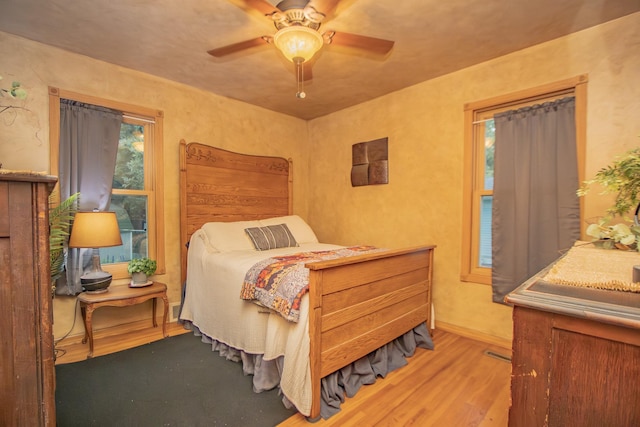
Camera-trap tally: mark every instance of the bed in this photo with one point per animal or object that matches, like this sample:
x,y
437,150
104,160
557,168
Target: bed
x,y
368,308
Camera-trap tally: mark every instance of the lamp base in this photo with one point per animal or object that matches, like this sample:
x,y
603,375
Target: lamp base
x,y
96,282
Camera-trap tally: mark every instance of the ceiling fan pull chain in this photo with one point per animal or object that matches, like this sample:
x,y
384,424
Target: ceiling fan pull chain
x,y
300,79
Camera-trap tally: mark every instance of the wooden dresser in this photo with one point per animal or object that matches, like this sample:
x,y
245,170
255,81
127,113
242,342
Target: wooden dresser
x,y
27,382
576,356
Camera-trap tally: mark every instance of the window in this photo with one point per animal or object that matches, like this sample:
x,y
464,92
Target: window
x,y
132,194
478,166
487,133
136,196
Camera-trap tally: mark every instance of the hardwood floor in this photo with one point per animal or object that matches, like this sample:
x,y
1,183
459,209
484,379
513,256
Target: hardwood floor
x,y
454,385
112,340
457,384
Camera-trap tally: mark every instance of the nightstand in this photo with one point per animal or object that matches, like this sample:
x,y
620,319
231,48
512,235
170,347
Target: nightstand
x,y
121,296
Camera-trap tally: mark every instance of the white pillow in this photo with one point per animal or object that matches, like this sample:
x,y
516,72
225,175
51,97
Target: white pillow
x,y
200,234
230,236
298,227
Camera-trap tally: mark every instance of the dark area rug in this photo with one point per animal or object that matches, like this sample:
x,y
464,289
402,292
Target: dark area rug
x,y
177,381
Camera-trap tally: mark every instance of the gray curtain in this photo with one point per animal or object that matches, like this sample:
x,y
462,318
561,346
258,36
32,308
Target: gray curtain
x,y
536,213
89,138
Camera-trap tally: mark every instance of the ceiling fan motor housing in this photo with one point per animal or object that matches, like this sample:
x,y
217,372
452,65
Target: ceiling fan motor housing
x,y
292,4
296,12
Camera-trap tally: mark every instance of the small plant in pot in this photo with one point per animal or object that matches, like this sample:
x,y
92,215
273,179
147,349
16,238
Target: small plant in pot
x,y
140,270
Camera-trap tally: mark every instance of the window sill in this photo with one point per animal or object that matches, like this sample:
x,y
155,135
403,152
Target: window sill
x,y
483,279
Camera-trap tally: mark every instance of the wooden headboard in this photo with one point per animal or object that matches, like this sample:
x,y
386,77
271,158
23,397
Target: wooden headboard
x,y
222,186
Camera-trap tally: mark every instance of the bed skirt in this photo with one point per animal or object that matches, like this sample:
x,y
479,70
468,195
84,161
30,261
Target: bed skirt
x,y
336,386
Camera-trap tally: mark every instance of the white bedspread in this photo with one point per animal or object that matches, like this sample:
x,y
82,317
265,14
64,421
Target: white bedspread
x,y
212,303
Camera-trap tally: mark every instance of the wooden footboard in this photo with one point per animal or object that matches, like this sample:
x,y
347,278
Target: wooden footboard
x,y
361,303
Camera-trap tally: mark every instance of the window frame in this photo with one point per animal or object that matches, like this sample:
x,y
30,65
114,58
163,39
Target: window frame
x,y
473,165
154,172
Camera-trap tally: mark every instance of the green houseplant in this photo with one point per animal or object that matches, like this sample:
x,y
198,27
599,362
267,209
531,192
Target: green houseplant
x,y
140,269
622,178
60,217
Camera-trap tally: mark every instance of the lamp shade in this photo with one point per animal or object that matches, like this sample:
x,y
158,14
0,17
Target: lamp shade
x,y
95,230
298,41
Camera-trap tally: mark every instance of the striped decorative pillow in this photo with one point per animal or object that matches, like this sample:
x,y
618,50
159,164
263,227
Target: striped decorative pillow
x,y
271,237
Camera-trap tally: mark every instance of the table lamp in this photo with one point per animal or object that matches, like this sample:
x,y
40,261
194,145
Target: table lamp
x,y
95,230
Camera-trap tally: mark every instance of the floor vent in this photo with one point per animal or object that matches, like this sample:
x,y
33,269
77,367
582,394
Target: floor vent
x,y
497,356
174,312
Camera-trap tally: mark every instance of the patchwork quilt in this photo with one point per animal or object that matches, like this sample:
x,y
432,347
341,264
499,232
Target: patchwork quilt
x,y
279,283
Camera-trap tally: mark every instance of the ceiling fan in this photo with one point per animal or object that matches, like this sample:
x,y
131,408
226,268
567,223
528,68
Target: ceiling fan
x,y
298,37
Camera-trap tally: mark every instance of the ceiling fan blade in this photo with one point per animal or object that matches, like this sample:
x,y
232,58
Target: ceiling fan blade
x,y
327,7
261,6
371,44
237,47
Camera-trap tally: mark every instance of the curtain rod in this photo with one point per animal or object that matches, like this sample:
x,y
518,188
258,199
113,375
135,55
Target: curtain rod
x,y
477,122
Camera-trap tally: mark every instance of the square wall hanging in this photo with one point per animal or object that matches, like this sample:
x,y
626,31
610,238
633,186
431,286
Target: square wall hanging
x,y
370,163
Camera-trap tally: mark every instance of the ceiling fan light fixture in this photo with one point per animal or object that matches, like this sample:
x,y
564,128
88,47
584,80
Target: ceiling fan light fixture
x,y
298,42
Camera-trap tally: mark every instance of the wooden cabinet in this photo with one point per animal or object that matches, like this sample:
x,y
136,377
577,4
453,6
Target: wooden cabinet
x,y
576,356
27,382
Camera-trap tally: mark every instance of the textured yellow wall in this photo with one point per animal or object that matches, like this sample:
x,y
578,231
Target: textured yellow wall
x,y
189,113
423,201
424,123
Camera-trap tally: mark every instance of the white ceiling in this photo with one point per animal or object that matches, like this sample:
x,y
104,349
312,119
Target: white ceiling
x,y
170,39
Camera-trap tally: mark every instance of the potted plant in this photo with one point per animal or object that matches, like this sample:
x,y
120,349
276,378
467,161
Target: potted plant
x,y
622,178
140,269
60,217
